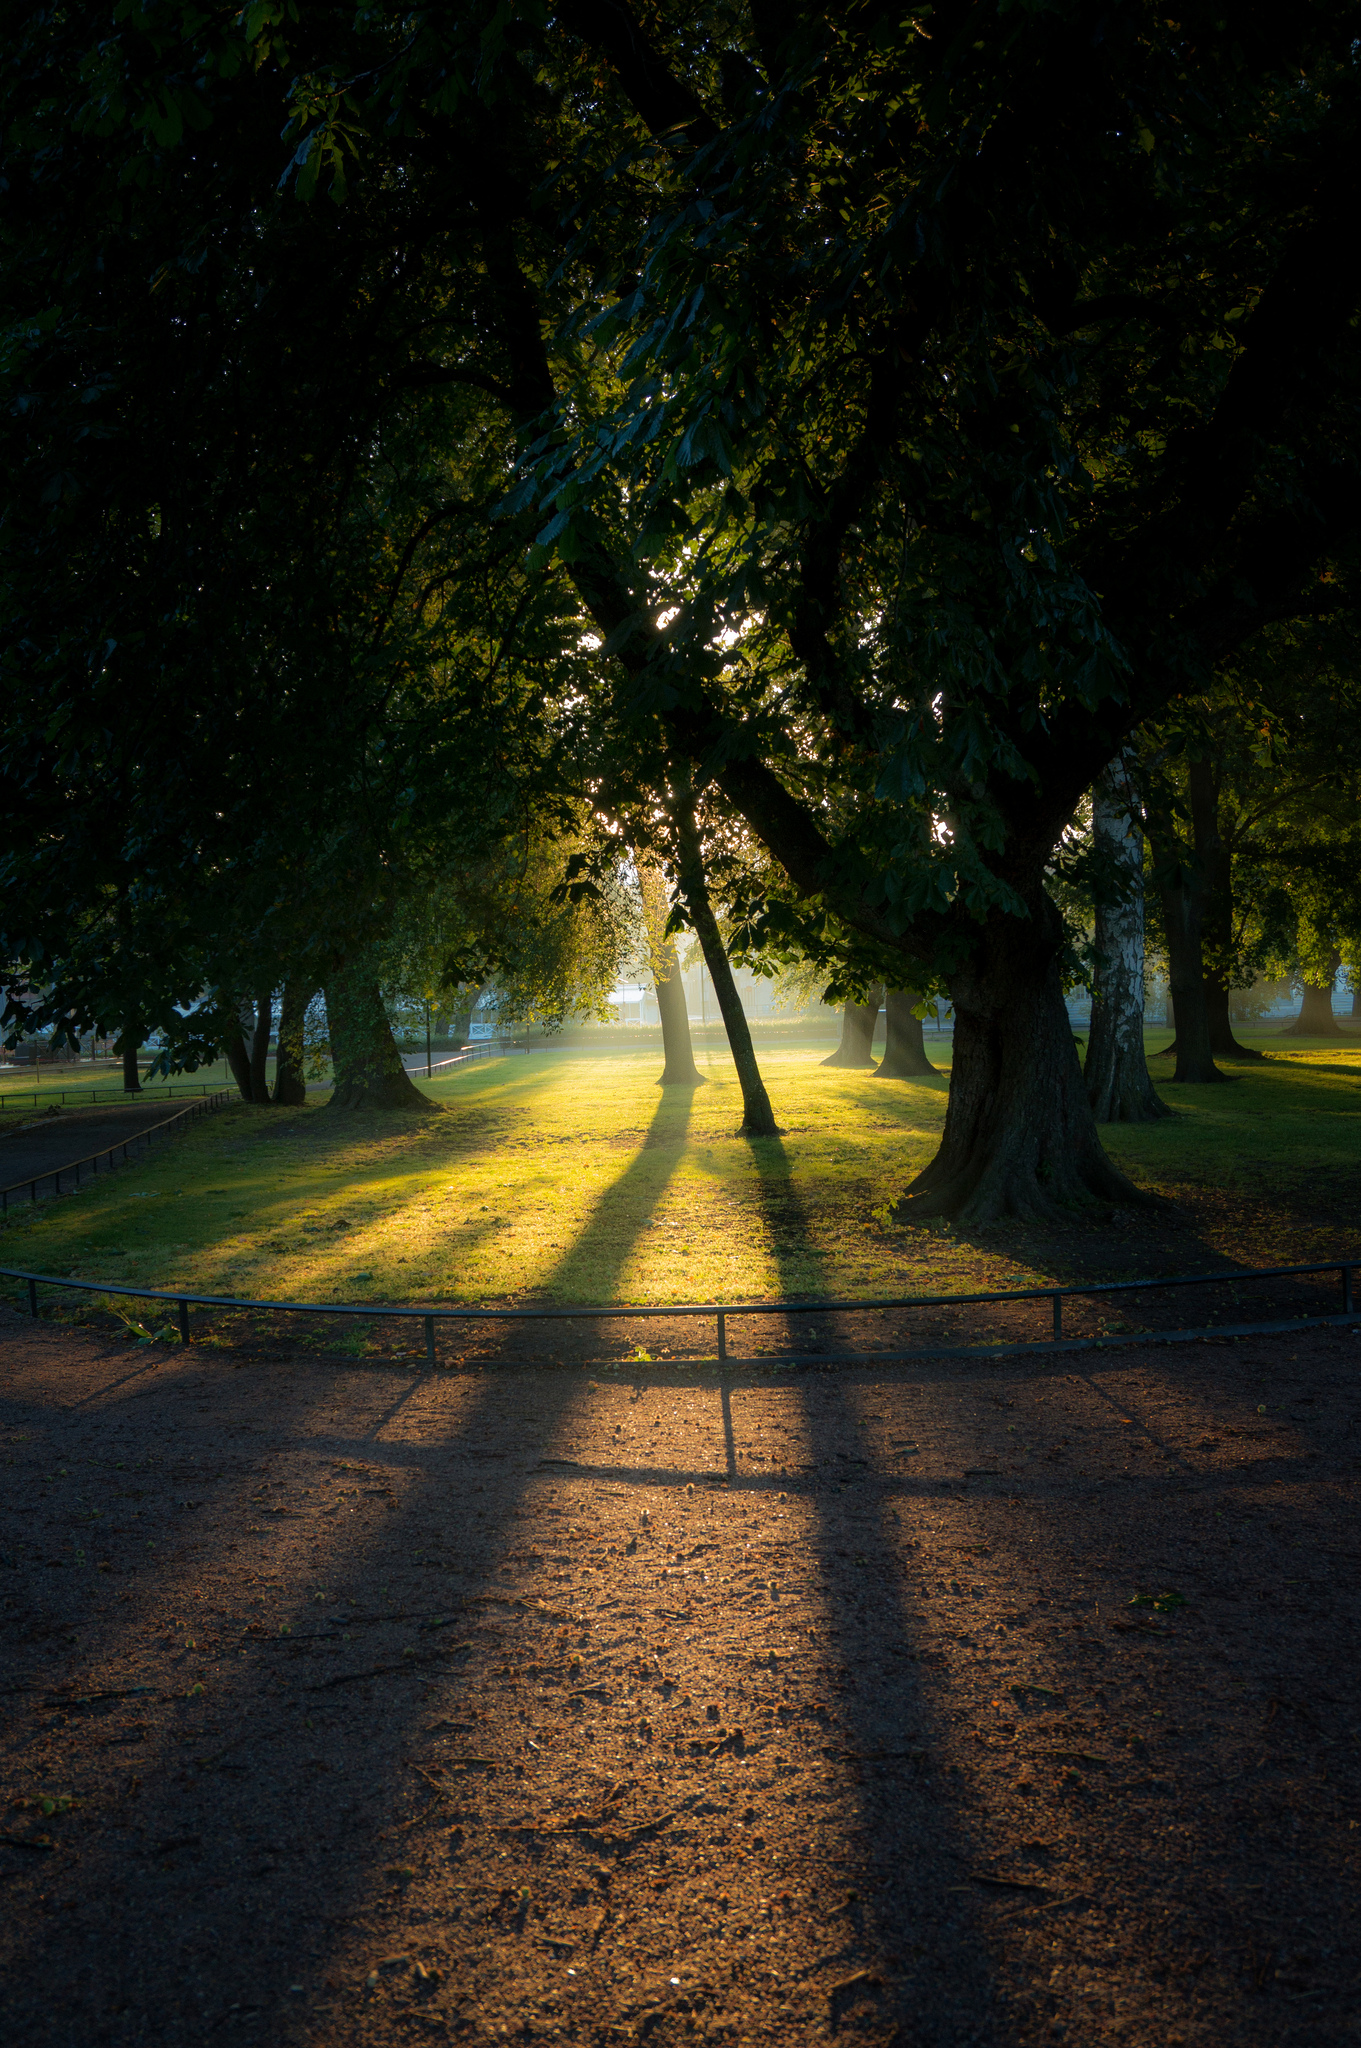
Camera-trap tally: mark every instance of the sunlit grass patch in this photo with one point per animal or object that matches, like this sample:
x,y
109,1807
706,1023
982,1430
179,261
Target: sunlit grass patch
x,y
570,1176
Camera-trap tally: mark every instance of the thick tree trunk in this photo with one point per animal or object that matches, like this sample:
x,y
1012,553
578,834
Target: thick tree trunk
x,y
290,1082
129,1045
259,1046
857,1033
1356,993
237,1055
1116,1072
758,1119
1223,1044
905,1050
365,1061
1020,1139
1316,1019
1182,903
678,1053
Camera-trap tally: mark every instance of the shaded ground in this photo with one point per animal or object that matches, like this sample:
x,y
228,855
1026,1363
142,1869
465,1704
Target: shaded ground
x,y
971,1704
36,1142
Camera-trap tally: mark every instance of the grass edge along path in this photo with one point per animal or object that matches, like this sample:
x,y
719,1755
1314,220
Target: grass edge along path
x,y
572,1178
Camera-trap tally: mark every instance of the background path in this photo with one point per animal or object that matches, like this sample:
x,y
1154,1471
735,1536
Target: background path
x,y
46,1142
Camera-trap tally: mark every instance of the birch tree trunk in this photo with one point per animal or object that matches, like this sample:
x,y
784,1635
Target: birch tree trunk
x,y
1116,1072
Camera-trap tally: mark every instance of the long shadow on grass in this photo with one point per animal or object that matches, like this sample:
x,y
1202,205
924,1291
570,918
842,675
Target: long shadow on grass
x,y
799,1264
591,1269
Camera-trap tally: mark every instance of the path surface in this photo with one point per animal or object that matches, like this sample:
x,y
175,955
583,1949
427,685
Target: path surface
x,y
46,1142
367,1706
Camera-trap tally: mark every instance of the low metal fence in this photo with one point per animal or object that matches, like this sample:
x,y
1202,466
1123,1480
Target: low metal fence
x,y
96,1095
721,1312
74,1167
487,1049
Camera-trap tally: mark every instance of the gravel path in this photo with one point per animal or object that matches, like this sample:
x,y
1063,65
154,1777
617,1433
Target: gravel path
x,y
1004,1703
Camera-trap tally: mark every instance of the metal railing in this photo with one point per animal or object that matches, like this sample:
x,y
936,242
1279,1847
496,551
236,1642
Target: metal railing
x,y
486,1049
54,1173
721,1311
93,1095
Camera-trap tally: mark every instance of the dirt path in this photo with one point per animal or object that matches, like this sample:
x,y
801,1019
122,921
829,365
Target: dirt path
x,y
363,1705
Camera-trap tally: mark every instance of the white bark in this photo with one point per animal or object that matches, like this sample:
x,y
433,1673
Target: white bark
x,y
1116,1072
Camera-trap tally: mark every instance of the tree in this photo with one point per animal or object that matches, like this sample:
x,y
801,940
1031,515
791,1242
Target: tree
x,y
904,420
858,1022
678,1058
953,512
758,1118
905,1047
1250,804
1116,1071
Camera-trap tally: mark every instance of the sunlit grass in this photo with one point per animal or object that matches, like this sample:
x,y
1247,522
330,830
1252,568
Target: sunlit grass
x,y
570,1176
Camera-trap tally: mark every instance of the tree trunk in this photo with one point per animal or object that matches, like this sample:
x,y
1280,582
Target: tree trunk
x,y
1182,887
290,1082
1216,862
1316,1019
236,1054
905,1050
758,1119
857,1033
1116,1072
259,1046
130,1045
1223,1044
1020,1139
678,1054
1182,896
365,1061
1356,993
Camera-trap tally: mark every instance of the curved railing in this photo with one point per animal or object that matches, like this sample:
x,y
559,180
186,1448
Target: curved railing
x,y
73,1167
722,1311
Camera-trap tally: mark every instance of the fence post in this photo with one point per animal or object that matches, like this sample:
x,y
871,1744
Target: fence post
x,y
430,1340
722,1339
184,1323
1058,1317
33,1299
1346,1290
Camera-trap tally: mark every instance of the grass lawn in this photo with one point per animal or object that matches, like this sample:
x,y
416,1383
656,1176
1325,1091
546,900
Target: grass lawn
x,y
569,1176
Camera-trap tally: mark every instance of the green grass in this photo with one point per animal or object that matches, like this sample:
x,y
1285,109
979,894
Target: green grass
x,y
81,1085
570,1176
